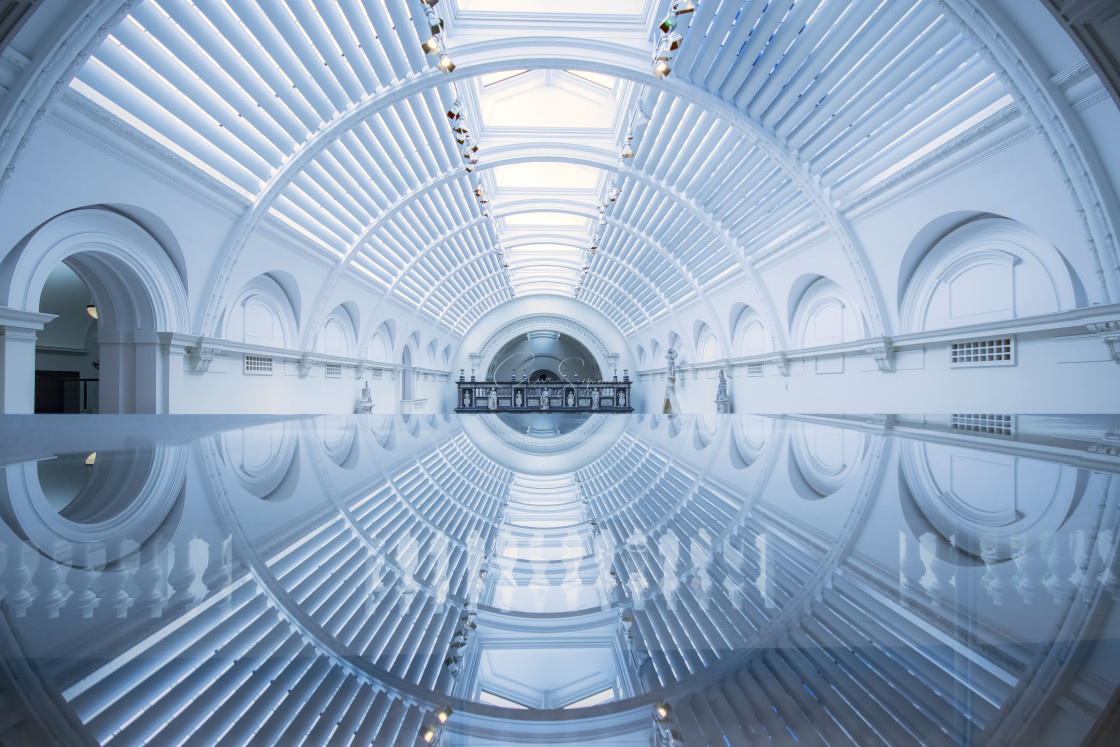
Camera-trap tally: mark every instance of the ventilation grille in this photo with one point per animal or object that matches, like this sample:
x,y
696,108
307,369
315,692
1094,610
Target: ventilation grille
x,y
999,425
755,369
996,352
258,364
334,370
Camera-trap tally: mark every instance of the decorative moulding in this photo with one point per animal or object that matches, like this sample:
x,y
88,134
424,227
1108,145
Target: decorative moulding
x,y
201,355
305,365
1109,333
883,353
781,362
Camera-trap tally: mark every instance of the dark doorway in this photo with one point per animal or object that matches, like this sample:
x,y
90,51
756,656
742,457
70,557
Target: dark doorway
x,y
51,391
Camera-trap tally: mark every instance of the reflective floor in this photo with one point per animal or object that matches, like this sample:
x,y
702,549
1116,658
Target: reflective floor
x,y
598,579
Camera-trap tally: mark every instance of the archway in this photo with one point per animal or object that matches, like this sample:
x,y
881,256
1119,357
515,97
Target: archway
x,y
134,286
543,356
67,352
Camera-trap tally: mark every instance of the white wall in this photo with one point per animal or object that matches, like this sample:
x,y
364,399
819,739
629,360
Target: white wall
x,y
1061,366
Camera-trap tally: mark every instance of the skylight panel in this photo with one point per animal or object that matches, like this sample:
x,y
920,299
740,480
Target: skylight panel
x,y
546,219
544,250
599,79
491,78
546,175
605,696
548,99
569,7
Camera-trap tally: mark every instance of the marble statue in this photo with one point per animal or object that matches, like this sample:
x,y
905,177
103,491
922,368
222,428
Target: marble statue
x,y
571,398
365,404
671,408
723,400
622,398
544,398
517,399
595,398
466,398
492,399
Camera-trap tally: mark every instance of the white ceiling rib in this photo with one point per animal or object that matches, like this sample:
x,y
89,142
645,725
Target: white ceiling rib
x,y
852,90
240,86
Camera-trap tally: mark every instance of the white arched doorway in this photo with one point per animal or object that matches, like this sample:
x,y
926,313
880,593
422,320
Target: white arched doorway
x,y
137,292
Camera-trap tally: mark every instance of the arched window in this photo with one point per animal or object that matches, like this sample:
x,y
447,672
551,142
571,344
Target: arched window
x,y
991,269
707,346
262,314
264,460
825,316
824,458
337,337
381,345
986,501
750,334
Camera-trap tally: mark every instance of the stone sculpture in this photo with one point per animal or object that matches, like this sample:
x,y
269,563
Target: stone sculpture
x,y
723,400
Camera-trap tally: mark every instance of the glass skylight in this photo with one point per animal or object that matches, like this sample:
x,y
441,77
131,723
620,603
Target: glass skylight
x,y
549,99
492,78
545,219
490,698
546,175
597,78
569,7
605,696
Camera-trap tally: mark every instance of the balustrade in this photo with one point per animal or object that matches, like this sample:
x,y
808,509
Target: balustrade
x,y
570,396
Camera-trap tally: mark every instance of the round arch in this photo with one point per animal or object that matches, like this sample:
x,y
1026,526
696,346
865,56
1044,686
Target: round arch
x,y
137,291
529,52
129,496
988,269
552,322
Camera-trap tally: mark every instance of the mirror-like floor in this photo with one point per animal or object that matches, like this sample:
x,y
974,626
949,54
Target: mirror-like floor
x,y
583,579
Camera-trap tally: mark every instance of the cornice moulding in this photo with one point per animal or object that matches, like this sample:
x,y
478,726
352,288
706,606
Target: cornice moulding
x,y
1103,321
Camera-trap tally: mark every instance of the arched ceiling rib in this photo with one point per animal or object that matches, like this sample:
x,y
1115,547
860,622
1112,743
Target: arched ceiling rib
x,y
327,116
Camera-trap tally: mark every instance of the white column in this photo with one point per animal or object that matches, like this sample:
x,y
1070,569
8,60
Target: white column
x,y
133,372
18,330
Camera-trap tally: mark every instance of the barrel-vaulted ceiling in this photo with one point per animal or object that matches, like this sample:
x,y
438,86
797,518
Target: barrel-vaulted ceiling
x,y
329,116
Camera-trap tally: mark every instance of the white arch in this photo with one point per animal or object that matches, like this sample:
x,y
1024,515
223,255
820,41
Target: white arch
x,y
1006,498
261,314
337,335
547,53
987,270
145,289
824,315
551,322
132,495
135,287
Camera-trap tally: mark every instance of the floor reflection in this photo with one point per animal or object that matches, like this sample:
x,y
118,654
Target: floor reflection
x,y
593,580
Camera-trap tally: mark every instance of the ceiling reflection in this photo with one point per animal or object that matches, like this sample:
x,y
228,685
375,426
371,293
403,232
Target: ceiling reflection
x,y
584,579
